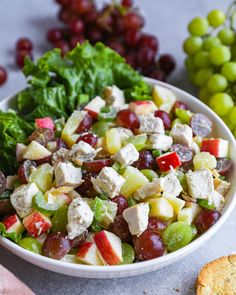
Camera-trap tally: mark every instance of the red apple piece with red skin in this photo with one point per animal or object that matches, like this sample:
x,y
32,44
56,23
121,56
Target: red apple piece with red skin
x,y
142,107
88,254
13,224
44,123
109,247
167,161
36,224
94,106
215,146
20,148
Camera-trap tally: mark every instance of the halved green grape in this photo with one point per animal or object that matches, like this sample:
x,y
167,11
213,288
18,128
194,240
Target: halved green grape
x,y
42,206
31,244
189,63
184,115
204,203
204,160
202,76
227,36
177,235
229,71
198,26
220,55
192,45
150,174
232,117
60,219
217,83
201,59
211,42
221,103
216,18
127,254
100,128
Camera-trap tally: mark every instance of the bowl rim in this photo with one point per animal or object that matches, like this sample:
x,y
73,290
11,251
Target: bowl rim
x,y
163,260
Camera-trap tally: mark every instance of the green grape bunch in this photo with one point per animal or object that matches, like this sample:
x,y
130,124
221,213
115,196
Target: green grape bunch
x,y
211,61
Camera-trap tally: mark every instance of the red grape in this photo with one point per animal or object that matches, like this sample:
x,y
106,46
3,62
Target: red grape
x,y
85,124
117,46
88,138
42,136
56,245
97,165
156,224
127,3
148,245
66,15
60,144
24,44
94,35
24,170
145,56
20,57
44,160
165,118
128,119
86,188
224,166
76,26
121,202
130,59
74,40
54,35
3,75
82,6
90,17
64,2
167,63
132,38
206,219
145,161
133,21
63,45
120,228
179,105
149,41
158,75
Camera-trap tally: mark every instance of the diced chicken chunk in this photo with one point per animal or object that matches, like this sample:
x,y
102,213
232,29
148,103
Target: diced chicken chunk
x,y
221,186
114,96
182,134
82,152
137,218
151,124
153,188
200,183
80,217
67,175
124,133
108,182
171,186
62,155
21,199
127,155
161,142
217,200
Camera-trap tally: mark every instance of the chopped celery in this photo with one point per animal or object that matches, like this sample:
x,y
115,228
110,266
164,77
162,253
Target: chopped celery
x,y
204,203
42,206
184,115
139,141
150,174
100,128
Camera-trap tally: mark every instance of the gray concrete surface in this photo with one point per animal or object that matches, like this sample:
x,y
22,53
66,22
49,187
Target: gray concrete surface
x,y
167,20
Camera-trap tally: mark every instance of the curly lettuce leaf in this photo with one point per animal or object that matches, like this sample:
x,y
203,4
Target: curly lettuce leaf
x,y
56,84
13,236
13,129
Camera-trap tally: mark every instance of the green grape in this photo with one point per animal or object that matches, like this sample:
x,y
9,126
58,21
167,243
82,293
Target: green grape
x,y
184,115
217,83
220,55
221,103
150,174
31,244
201,59
189,64
192,45
127,254
211,42
226,36
216,18
229,71
100,128
198,26
177,235
204,160
59,219
232,117
233,51
204,94
202,76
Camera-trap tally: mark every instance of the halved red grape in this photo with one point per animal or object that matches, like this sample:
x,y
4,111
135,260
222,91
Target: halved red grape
x,y
3,182
167,63
165,118
128,119
224,166
86,189
121,229
184,152
3,75
121,202
156,224
97,165
42,136
89,138
79,240
145,161
201,125
24,170
24,44
85,124
149,41
206,219
56,245
148,245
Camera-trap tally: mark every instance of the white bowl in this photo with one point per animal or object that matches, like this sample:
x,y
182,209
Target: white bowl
x,y
104,272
